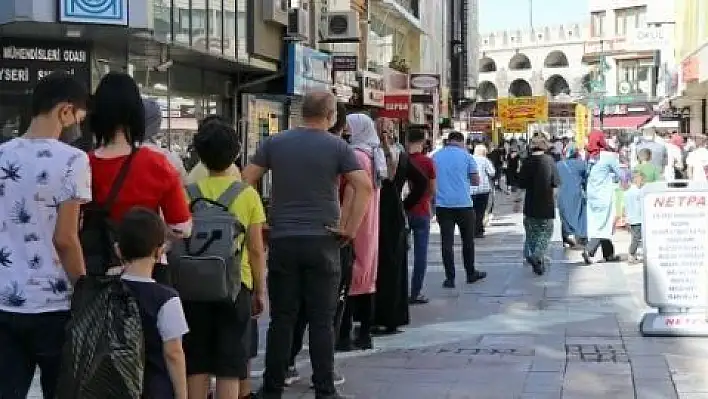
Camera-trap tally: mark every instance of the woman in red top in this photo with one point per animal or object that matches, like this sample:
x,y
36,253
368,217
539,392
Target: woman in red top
x,y
117,121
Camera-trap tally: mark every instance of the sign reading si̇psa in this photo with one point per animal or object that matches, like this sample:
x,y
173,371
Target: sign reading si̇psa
x,y
104,12
396,106
674,232
515,113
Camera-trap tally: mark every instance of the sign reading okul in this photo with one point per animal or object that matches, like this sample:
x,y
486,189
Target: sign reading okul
x,y
674,232
516,113
650,38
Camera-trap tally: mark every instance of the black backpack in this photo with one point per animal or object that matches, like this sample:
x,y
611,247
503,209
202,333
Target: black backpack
x,y
103,356
98,233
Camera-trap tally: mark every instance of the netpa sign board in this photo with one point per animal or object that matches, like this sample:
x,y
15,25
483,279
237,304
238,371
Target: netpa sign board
x,y
674,233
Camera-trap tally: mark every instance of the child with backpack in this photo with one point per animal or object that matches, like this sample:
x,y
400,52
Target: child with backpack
x,y
141,240
220,270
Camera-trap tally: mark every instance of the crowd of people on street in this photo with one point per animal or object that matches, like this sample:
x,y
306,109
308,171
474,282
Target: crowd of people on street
x,y
182,261
197,258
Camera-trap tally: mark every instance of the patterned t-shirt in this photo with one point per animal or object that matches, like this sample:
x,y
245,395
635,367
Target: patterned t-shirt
x,y
36,176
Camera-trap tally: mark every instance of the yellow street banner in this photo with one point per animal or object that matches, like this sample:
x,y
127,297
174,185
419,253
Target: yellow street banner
x,y
515,126
515,113
581,125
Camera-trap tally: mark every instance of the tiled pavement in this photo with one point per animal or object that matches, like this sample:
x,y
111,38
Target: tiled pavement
x,y
571,334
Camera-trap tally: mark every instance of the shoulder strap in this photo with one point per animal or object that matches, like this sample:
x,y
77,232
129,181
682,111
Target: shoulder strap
x,y
194,192
232,192
120,179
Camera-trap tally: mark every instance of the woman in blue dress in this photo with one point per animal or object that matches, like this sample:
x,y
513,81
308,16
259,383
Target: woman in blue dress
x,y
601,188
571,197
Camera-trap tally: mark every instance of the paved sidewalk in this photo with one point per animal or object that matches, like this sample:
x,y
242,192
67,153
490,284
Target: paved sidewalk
x,y
570,334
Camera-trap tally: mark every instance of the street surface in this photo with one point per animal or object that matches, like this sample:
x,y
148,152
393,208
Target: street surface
x,y
570,334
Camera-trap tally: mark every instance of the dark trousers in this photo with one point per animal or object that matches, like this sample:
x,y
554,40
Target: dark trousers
x,y
28,341
346,256
303,272
464,219
636,232
480,203
608,249
420,228
361,306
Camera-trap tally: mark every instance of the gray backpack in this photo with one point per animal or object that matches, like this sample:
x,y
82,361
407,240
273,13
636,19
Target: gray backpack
x,y
206,267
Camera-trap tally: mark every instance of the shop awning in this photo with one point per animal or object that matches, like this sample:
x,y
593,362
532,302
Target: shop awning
x,y
657,123
622,122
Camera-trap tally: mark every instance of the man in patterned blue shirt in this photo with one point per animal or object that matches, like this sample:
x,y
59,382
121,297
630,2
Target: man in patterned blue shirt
x,y
43,183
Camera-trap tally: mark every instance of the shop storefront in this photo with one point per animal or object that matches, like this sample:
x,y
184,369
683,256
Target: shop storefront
x,y
23,62
561,120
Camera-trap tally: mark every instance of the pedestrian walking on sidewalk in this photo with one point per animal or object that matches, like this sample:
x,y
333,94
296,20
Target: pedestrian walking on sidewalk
x,y
604,172
572,172
539,178
305,237
482,191
633,213
456,172
374,161
44,183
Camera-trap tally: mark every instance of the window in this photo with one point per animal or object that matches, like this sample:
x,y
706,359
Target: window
x,y
635,76
629,19
597,22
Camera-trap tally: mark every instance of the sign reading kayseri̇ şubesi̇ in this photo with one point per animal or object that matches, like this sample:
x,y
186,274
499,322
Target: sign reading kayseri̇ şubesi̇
x,y
515,113
675,232
103,12
23,62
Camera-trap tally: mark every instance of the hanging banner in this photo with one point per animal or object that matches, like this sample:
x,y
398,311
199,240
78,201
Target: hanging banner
x,y
581,125
516,113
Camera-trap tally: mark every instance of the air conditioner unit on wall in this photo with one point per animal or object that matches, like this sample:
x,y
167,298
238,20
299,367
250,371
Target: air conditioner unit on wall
x,y
276,11
341,26
299,24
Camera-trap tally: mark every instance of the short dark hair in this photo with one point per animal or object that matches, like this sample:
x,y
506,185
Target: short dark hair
x,y
644,154
140,233
341,119
456,137
217,145
318,104
213,118
117,104
56,88
538,143
416,134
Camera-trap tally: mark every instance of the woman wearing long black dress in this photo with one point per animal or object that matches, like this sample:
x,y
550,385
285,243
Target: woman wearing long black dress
x,y
391,305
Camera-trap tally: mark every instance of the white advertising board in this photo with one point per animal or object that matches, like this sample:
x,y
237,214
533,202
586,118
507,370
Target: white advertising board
x,y
675,241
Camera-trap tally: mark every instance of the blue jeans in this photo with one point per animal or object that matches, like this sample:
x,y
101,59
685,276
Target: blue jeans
x,y
420,227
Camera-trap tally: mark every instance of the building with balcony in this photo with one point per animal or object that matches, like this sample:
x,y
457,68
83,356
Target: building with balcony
x,y
630,53
691,98
544,61
395,30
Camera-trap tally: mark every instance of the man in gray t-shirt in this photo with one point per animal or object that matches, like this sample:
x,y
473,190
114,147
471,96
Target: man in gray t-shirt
x,y
306,232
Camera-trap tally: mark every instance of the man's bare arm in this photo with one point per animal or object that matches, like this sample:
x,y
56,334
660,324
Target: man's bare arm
x,y
253,174
347,202
360,181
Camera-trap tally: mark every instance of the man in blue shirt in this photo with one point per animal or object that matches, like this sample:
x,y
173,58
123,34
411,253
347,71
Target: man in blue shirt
x,y
456,172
